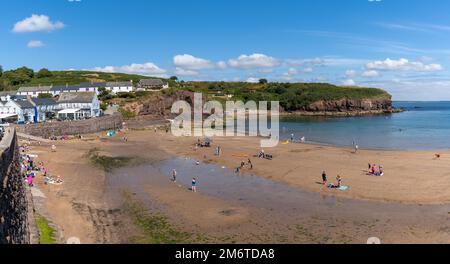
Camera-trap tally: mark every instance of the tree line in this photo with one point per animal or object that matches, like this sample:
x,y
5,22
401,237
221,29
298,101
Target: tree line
x,y
16,77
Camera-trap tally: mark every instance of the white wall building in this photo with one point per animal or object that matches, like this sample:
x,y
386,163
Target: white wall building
x,y
119,87
75,106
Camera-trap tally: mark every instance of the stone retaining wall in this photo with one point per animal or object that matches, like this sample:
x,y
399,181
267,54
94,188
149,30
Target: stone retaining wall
x,y
49,129
14,203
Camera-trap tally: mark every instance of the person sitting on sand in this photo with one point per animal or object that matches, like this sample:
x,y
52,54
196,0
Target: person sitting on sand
x,y
262,155
437,156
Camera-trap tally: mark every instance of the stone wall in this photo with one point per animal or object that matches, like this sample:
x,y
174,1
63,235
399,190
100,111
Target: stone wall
x,y
14,204
49,129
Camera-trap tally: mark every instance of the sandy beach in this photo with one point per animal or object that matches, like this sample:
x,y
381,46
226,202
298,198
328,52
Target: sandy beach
x,y
407,205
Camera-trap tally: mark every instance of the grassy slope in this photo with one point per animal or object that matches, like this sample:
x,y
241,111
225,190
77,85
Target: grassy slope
x,y
77,77
46,233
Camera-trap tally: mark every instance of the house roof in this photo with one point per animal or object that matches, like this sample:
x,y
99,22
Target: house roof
x,y
43,101
63,88
117,84
34,89
24,104
83,97
5,93
151,82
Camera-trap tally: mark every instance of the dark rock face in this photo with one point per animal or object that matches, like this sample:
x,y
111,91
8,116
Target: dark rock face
x,y
346,105
13,196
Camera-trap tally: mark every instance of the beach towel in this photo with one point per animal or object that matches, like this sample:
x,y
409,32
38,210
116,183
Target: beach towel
x,y
344,188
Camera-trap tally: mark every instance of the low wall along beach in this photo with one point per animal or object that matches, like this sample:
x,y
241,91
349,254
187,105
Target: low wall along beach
x,y
14,197
49,129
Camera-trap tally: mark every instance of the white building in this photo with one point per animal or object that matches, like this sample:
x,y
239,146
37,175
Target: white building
x,y
34,91
6,95
76,106
152,85
119,87
23,109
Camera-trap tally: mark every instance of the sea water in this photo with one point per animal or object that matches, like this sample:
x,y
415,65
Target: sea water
x,y
423,126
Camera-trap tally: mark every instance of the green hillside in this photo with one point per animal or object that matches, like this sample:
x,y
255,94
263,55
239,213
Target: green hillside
x,y
292,96
13,79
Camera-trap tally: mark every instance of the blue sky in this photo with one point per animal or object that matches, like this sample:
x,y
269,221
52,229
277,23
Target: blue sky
x,y
399,45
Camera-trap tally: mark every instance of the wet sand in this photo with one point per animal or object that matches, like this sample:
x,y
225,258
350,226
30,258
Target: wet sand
x,y
278,201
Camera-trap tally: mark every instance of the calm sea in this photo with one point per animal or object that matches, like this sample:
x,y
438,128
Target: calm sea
x,y
424,126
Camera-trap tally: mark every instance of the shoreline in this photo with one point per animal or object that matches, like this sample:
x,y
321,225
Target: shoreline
x,y
298,202
341,114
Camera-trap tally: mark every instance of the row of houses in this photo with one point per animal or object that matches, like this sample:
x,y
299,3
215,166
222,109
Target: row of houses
x,y
113,87
66,106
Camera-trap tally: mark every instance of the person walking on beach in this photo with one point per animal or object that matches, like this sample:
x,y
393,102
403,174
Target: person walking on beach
x,y
356,148
194,185
250,164
174,175
292,137
324,178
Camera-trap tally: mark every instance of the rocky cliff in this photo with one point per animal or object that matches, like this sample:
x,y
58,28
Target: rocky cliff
x,y
159,106
349,107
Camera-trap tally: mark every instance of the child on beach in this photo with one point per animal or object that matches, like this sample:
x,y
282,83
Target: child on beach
x,y
174,175
339,181
194,185
324,178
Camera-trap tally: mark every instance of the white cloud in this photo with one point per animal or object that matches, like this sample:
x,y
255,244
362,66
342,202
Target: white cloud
x,y
350,73
370,74
149,69
190,62
37,23
290,74
183,72
326,61
253,61
403,65
35,44
221,65
252,80
349,82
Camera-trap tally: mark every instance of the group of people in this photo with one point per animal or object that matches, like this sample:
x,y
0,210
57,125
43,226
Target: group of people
x,y
331,185
375,170
302,139
30,169
243,164
193,182
263,155
27,168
